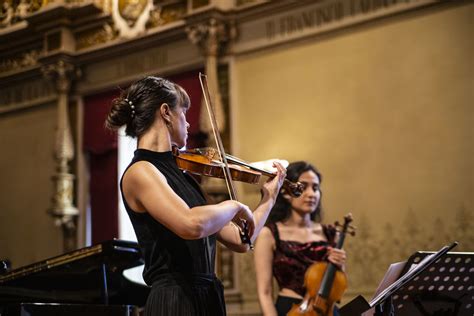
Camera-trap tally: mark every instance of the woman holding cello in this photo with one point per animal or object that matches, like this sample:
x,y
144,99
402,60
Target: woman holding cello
x,y
292,240
176,230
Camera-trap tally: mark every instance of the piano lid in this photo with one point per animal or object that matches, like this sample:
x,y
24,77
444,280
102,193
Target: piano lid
x,y
89,275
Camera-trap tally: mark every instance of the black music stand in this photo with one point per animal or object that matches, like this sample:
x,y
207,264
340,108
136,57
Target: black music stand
x,y
446,288
429,286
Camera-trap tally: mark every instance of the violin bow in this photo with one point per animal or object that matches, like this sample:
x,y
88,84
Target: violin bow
x,y
220,148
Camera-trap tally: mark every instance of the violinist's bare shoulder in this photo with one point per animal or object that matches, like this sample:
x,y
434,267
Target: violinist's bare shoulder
x,y
137,180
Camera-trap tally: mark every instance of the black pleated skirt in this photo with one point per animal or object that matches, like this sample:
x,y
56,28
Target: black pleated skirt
x,y
176,295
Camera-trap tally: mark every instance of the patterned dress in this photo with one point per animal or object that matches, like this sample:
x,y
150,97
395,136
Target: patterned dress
x,y
291,259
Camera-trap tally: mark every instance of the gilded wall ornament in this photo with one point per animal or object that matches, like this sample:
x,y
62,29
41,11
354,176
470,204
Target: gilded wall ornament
x,y
102,35
12,12
130,16
26,59
7,14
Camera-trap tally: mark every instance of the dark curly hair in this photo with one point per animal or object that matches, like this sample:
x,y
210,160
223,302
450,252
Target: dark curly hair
x,y
137,105
282,208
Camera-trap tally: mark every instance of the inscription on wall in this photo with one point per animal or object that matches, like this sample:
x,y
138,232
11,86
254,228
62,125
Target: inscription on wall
x,y
307,19
317,18
330,11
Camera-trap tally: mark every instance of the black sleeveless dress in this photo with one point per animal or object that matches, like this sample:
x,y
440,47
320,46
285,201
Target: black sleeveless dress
x,y
181,272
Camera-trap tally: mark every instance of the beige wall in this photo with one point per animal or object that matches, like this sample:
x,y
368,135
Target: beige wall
x,y
385,111
27,233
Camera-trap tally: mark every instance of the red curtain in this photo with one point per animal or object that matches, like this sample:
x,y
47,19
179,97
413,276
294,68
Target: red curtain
x,y
101,148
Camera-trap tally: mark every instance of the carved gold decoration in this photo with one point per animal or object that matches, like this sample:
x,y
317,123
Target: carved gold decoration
x,y
105,5
63,210
131,16
12,12
27,59
7,14
97,36
173,12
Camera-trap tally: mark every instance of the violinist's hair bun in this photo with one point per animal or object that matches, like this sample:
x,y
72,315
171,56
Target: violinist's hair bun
x,y
136,106
119,115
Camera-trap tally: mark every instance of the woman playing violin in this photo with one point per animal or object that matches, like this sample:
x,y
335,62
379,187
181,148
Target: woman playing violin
x,y
291,241
176,229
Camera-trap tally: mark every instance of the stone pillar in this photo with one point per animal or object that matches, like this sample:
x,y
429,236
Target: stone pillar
x,y
212,37
63,210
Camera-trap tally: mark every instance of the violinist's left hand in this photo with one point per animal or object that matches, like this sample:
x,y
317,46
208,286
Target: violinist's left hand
x,y
337,256
272,186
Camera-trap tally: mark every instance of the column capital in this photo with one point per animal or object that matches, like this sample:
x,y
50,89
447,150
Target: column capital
x,y
212,36
62,73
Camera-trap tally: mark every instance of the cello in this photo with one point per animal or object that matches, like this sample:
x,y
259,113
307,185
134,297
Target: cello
x,y
324,282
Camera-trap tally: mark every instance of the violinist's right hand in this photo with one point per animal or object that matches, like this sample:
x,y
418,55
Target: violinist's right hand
x,y
273,185
244,214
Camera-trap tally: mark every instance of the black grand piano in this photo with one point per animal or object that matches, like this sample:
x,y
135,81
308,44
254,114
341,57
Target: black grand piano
x,y
87,281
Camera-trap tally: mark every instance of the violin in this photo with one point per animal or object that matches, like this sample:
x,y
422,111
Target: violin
x,y
203,162
325,283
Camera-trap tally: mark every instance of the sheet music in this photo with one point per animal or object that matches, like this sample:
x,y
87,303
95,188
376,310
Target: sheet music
x,y
390,276
411,273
